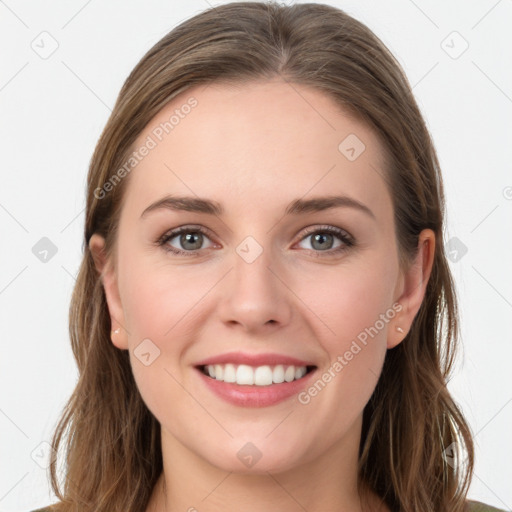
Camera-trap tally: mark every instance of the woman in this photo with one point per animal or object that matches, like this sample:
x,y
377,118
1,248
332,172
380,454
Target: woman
x,y
264,318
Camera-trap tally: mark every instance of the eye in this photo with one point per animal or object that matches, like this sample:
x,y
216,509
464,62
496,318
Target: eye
x,y
328,239
190,240
185,240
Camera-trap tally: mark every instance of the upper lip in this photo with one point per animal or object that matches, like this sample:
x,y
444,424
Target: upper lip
x,y
254,360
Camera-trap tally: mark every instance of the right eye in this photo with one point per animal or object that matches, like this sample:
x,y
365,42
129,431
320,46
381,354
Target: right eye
x,y
185,240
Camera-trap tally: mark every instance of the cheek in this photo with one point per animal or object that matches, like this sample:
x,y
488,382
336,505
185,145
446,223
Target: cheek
x,y
349,300
354,307
158,307
163,309
159,300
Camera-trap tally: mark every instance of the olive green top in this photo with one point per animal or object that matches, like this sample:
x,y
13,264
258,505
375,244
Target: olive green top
x,y
476,506
473,506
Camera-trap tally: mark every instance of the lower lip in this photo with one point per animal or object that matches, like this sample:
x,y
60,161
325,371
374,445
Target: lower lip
x,y
255,396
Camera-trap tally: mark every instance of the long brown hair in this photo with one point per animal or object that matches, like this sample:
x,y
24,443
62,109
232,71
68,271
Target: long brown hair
x,y
411,425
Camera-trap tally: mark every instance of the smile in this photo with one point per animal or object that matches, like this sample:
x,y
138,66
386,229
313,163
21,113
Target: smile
x,y
246,375
253,386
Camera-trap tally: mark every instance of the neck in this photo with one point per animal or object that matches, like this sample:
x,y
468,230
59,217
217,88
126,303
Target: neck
x,y
326,484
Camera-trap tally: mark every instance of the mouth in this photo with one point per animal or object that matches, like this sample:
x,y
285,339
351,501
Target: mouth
x,y
255,376
255,380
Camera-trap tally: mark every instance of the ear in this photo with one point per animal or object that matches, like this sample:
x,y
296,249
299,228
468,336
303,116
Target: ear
x,y
106,269
413,287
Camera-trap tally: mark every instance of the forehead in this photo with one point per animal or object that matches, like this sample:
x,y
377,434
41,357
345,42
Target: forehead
x,y
257,143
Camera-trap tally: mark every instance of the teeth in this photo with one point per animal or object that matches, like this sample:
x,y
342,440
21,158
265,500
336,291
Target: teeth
x,y
229,373
263,376
244,375
255,376
278,374
289,374
219,372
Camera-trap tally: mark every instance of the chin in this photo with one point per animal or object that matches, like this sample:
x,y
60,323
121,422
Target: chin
x,y
253,458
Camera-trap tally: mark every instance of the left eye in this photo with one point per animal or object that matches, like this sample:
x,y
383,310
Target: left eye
x,y
323,241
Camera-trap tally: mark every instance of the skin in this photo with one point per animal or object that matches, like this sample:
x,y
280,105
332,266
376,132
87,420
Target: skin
x,y
255,148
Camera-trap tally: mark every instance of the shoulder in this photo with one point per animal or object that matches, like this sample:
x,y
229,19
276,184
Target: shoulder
x,y
471,506
477,506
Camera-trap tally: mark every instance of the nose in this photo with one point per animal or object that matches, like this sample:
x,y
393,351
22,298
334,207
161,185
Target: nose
x,y
254,297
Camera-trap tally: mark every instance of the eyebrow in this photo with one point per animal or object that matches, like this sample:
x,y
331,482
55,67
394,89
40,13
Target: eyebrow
x,y
296,207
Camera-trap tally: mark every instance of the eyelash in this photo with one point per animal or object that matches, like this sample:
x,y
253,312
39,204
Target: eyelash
x,y
343,236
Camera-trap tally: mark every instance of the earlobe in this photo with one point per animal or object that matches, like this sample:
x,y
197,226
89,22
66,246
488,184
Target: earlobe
x,y
108,277
413,287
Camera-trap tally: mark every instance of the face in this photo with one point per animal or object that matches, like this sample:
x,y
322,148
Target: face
x,y
280,252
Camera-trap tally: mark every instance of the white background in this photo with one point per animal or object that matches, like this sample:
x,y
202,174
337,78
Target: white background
x,y
53,110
